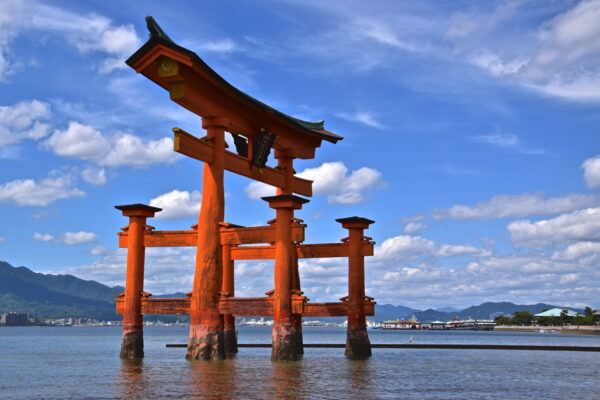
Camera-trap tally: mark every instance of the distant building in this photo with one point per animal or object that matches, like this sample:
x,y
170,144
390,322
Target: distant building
x,y
556,312
13,319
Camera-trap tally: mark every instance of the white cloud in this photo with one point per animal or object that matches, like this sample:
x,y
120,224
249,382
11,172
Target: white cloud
x,y
402,248
95,176
29,192
522,205
414,227
23,121
363,117
331,179
2,239
591,171
581,225
217,46
577,250
75,238
87,33
123,149
177,204
69,238
257,190
448,250
43,237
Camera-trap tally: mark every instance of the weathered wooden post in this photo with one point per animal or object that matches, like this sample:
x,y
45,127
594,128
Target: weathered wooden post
x,y
285,334
132,343
357,338
206,339
228,290
285,162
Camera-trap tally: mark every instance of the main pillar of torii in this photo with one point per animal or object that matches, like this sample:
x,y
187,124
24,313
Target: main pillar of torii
x,y
207,339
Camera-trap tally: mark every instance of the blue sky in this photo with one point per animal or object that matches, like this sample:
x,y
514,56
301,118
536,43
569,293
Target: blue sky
x,y
470,135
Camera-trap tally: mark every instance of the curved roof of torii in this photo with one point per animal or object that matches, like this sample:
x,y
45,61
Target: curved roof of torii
x,y
159,39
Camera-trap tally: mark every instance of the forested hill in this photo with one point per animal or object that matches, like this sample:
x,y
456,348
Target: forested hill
x,y
54,296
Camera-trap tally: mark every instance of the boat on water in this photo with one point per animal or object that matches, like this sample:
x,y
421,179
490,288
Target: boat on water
x,y
470,324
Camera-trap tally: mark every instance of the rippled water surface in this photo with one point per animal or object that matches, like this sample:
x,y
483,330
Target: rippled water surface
x,y
82,362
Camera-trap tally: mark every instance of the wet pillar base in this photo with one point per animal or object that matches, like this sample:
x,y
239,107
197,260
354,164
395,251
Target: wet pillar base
x,y
231,346
285,343
299,339
132,345
206,344
358,345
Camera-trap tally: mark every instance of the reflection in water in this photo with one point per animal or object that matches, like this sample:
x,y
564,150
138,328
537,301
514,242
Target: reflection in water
x,y
358,374
131,383
286,380
214,379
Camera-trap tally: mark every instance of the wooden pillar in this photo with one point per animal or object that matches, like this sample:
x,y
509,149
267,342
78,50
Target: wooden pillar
x,y
285,335
206,339
132,343
228,290
357,338
285,161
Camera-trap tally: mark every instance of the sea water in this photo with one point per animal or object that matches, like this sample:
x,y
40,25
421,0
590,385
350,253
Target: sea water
x,y
83,362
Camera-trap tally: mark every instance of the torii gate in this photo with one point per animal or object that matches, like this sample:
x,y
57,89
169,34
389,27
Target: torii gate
x,y
211,304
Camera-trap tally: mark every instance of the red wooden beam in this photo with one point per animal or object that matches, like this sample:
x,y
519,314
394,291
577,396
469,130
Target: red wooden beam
x,y
248,307
202,149
231,236
323,250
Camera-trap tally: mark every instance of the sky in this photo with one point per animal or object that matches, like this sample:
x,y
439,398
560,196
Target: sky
x,y
470,136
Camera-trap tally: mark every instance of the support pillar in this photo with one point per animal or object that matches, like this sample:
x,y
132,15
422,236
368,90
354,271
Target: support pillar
x,y
228,290
132,342
206,339
358,344
285,161
285,334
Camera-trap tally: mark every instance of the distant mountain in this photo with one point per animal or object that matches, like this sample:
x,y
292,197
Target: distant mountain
x,y
54,296
481,311
388,312
448,309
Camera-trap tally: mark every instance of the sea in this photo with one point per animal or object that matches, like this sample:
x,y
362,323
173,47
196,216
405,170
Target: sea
x,y
83,363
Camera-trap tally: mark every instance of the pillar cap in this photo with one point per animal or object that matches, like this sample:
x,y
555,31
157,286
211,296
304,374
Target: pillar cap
x,y
285,201
221,122
355,222
138,210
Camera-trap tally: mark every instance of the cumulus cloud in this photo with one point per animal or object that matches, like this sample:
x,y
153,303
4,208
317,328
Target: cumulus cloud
x,y
69,238
581,225
123,149
177,204
43,237
23,120
406,248
591,171
30,192
333,180
94,176
522,205
87,33
577,250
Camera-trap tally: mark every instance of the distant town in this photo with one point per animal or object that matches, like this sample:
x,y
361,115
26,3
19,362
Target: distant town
x,y
558,320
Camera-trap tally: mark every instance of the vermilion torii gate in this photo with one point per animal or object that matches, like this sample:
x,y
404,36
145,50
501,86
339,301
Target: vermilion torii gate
x,y
211,304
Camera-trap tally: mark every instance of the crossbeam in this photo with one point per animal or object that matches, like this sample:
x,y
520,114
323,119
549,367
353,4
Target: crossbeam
x,y
199,149
230,236
322,250
248,307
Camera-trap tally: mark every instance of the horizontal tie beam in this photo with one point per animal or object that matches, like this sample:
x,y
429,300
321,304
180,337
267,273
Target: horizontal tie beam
x,y
229,236
202,150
